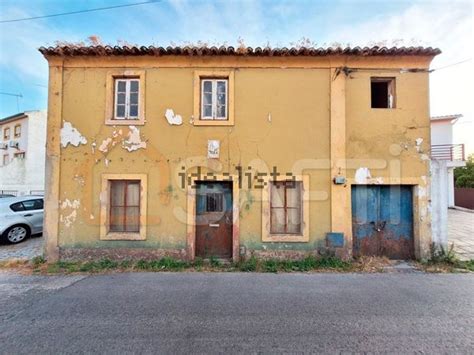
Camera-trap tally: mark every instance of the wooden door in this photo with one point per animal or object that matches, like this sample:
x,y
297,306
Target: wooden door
x,y
214,219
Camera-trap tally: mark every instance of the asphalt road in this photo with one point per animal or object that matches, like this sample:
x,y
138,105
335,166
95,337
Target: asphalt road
x,y
235,313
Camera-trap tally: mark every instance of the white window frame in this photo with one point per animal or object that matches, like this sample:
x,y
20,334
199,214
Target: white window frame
x,y
214,82
127,99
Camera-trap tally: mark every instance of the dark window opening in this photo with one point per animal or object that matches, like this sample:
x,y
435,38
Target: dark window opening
x,y
382,92
214,202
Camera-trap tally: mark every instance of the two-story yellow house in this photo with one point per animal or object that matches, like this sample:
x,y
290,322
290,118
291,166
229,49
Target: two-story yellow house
x,y
222,152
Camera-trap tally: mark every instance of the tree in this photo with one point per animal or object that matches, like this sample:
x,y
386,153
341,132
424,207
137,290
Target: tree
x,y
464,176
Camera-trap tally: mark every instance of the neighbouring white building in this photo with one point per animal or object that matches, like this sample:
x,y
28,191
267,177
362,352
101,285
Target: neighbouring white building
x,y
443,148
22,153
445,156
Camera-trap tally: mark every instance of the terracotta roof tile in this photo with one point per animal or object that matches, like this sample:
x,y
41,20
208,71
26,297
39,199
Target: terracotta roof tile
x,y
231,51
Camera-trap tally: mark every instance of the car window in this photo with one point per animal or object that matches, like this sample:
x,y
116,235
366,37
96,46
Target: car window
x,y
33,205
17,207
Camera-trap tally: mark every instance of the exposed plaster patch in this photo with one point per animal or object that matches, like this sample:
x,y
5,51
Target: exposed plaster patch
x,y
270,117
425,180
418,142
422,191
70,204
70,135
104,146
134,141
425,157
377,180
107,161
71,217
91,216
94,144
172,118
362,175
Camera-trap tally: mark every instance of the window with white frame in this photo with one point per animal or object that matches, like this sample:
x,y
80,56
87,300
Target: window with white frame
x,y
214,99
127,98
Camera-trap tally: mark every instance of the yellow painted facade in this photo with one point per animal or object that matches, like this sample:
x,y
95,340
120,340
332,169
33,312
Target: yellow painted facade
x,y
302,115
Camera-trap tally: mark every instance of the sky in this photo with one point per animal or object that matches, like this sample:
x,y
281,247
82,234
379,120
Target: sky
x,y
445,24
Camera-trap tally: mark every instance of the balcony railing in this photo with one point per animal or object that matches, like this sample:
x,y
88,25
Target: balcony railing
x,y
448,152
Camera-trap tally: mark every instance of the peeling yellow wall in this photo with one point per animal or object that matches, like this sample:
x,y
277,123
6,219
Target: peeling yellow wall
x,y
299,129
282,117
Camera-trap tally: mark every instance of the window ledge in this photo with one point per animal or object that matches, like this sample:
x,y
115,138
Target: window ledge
x,y
290,238
200,122
123,236
114,122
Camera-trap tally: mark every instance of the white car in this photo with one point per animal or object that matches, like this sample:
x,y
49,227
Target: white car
x,y
20,217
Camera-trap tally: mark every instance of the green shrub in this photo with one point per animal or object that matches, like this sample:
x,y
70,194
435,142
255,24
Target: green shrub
x,y
214,261
270,265
248,265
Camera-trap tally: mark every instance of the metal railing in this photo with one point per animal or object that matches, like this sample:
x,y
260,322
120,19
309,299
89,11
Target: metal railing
x,y
9,192
447,152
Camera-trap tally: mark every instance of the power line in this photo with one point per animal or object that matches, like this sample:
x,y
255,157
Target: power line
x,y
450,65
80,11
10,94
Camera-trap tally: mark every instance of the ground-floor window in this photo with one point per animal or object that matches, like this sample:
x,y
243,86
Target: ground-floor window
x,y
123,206
285,216
285,205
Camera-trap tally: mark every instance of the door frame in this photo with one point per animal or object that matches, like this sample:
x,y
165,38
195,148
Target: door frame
x,y
191,214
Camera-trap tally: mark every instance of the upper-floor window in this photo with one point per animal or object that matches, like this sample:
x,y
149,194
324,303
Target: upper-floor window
x,y
6,133
17,131
382,92
127,91
125,97
214,99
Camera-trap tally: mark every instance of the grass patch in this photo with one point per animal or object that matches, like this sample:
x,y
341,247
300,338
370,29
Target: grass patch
x,y
446,260
251,264
310,263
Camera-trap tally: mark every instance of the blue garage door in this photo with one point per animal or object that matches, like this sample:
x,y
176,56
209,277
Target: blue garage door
x,y
382,221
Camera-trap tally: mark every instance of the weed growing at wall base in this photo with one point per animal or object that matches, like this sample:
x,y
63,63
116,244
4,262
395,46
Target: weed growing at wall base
x,y
213,264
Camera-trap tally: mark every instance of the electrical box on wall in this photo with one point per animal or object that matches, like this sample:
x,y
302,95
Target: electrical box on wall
x,y
339,180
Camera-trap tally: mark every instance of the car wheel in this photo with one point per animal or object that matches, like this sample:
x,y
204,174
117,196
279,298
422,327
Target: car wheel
x,y
16,234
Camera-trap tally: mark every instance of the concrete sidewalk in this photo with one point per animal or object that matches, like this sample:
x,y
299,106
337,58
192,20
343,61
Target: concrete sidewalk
x,y
461,232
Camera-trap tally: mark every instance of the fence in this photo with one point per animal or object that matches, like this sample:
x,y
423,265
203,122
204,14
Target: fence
x,y
464,197
9,192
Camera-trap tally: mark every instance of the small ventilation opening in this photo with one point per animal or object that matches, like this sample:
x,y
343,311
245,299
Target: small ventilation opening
x,y
382,92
